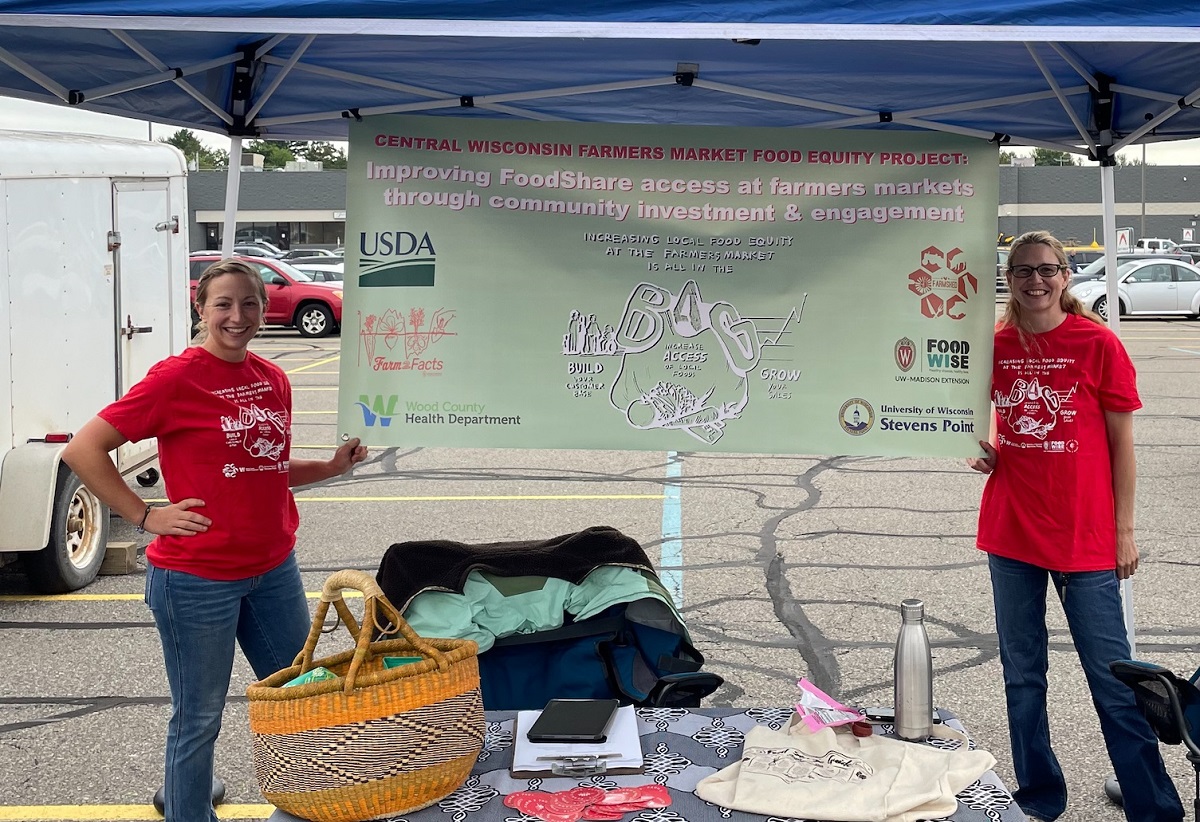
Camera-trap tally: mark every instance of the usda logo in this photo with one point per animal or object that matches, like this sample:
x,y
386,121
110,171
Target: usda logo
x,y
391,259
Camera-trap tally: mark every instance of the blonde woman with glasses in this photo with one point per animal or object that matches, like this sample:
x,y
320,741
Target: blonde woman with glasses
x,y
1058,508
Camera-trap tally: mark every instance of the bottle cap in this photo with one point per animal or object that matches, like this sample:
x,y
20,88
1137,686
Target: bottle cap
x,y
912,609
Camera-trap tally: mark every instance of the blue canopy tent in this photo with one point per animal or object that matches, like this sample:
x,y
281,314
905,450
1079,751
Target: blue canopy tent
x,y
1084,76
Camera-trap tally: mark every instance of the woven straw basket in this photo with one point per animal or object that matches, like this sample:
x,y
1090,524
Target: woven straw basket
x,y
375,742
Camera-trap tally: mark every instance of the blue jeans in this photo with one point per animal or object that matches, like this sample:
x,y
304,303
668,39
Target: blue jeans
x,y
1092,603
198,621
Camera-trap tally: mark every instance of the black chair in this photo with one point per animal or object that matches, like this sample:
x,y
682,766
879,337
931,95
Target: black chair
x,y
1170,704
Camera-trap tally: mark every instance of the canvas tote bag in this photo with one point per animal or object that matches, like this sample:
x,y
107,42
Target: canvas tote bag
x,y
832,774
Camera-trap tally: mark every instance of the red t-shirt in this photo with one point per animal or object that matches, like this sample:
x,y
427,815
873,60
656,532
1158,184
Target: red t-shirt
x,y
224,436
1050,500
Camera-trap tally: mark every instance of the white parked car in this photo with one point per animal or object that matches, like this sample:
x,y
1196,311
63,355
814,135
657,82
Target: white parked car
x,y
1155,245
1151,286
330,272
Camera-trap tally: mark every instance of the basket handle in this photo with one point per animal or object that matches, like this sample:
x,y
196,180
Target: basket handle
x,y
376,604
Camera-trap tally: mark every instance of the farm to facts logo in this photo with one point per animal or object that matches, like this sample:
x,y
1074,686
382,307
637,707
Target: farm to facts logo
x,y
943,283
405,336
906,353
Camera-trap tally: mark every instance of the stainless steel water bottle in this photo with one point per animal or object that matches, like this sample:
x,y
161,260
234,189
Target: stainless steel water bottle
x,y
913,674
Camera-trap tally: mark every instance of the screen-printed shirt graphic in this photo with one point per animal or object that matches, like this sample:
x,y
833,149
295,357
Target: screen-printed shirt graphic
x,y
257,428
1050,500
1032,409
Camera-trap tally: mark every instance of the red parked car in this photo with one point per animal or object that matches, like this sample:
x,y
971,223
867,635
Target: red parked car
x,y
294,299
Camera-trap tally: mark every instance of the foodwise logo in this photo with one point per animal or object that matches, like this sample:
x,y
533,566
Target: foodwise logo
x,y
906,353
377,412
394,259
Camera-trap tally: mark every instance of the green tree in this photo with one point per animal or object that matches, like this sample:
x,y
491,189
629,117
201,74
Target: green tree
x,y
1006,158
1050,157
195,151
275,153
327,154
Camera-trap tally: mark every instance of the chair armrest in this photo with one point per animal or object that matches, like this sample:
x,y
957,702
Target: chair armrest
x,y
1161,697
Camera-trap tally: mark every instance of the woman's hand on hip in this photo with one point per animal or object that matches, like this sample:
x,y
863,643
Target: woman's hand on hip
x,y
985,464
177,519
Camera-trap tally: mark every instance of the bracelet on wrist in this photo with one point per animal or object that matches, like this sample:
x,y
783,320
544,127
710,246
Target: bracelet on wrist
x,y
141,526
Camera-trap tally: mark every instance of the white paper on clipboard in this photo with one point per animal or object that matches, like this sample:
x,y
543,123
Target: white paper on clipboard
x,y
620,753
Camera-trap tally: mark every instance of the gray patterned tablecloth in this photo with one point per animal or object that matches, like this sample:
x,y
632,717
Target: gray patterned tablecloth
x,y
681,747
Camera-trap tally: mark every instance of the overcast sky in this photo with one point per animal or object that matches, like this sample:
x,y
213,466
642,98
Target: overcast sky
x,y
22,114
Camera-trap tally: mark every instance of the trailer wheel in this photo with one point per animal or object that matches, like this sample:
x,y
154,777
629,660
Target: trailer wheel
x,y
148,477
78,539
314,320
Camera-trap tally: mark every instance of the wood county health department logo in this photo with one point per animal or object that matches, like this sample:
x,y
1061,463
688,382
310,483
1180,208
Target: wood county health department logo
x,y
856,416
906,353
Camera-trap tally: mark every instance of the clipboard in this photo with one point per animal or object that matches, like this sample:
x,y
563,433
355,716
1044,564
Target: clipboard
x,y
620,754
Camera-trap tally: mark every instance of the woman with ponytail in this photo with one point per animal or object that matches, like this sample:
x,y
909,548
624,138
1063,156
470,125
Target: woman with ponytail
x,y
1058,508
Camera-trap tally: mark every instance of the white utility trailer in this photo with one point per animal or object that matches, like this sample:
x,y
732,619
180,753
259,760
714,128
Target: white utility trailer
x,y
93,291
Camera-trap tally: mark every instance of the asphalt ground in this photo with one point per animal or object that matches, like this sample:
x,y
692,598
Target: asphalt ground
x,y
787,566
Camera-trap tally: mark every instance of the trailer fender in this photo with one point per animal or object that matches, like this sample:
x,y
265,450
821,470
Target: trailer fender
x,y
28,477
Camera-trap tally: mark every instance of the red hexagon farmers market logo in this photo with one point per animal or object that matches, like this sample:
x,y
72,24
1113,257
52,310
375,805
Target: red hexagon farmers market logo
x,y
943,283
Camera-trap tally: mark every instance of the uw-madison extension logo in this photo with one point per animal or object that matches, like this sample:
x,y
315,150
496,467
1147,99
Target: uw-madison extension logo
x,y
391,259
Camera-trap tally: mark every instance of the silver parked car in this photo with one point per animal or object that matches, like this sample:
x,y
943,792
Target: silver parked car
x,y
1146,286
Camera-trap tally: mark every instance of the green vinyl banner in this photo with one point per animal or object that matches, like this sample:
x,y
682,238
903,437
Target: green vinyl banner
x,y
588,285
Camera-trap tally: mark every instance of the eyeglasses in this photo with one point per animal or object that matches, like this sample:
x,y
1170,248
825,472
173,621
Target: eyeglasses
x,y
1044,271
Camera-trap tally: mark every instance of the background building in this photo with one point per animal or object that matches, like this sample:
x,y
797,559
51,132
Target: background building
x,y
282,207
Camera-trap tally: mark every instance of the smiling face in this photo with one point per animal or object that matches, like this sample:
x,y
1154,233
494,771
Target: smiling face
x,y
232,311
1040,297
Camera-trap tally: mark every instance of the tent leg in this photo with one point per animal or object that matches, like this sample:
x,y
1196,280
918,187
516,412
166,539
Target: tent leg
x,y
233,181
1108,197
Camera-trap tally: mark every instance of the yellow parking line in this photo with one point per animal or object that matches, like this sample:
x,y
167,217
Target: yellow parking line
x,y
115,598
117,813
483,498
325,361
1191,338
473,498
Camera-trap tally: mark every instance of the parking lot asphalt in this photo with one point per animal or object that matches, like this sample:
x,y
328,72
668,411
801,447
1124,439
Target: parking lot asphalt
x,y
786,566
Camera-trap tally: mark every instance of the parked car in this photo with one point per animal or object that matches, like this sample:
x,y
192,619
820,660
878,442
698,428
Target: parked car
x,y
315,260
1155,245
251,235
294,300
1001,268
1095,270
252,251
1147,286
1192,250
306,251
323,272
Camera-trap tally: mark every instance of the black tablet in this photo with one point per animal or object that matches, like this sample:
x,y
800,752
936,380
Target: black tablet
x,y
574,720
